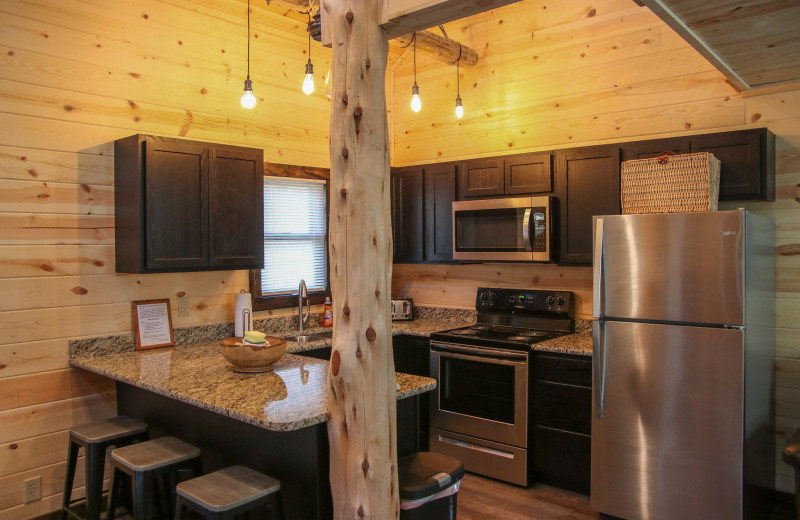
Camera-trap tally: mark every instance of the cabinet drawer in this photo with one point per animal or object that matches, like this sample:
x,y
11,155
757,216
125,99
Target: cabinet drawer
x,y
572,370
561,406
563,455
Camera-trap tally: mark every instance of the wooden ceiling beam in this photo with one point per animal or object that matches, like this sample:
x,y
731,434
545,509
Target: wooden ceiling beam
x,y
429,43
400,17
666,14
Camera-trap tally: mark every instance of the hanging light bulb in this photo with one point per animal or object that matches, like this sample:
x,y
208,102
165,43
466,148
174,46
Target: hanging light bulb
x,y
459,108
308,82
248,99
416,103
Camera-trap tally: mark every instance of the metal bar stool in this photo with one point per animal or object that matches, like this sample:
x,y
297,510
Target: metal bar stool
x,y
146,463
228,492
95,438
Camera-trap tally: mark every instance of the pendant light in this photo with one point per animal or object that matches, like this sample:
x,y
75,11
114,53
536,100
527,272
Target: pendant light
x,y
308,82
248,99
459,108
416,104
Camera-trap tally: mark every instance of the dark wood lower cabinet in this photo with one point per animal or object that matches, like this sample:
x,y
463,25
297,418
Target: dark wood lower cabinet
x,y
561,420
412,356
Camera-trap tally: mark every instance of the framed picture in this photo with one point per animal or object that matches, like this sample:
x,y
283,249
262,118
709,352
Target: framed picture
x,y
152,324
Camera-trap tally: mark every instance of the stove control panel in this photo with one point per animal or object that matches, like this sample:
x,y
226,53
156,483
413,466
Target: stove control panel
x,y
528,301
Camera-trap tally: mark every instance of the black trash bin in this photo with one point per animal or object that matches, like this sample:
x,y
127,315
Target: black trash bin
x,y
429,485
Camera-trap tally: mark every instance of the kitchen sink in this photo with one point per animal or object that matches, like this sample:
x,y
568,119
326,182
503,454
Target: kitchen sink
x,y
316,336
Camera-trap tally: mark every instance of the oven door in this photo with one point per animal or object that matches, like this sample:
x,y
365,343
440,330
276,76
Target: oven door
x,y
481,392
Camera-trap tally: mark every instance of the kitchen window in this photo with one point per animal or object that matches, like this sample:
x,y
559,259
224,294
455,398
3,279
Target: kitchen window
x,y
295,243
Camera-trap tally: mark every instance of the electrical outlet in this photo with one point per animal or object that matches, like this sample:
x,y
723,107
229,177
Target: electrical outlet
x,y
33,489
183,306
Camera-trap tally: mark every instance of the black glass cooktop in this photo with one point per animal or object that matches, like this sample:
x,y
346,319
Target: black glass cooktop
x,y
495,336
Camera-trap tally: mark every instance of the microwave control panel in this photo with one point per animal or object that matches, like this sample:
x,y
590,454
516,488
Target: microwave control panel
x,y
523,301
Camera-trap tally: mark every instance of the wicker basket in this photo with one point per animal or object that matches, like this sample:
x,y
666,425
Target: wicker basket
x,y
671,184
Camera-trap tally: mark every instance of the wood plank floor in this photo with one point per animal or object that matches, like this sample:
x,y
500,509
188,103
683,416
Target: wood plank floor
x,y
482,498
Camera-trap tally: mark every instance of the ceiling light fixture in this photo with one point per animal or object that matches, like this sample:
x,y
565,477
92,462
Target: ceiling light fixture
x,y
308,82
459,108
416,104
248,99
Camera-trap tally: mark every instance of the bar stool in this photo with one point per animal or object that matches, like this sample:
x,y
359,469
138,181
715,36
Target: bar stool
x,y
95,438
147,462
228,492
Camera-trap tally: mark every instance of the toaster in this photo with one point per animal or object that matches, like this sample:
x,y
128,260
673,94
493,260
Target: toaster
x,y
402,309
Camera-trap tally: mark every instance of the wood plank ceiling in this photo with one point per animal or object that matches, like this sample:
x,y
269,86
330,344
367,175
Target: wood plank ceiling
x,y
753,42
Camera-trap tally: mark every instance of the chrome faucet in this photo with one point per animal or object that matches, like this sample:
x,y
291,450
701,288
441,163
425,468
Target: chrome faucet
x,y
302,319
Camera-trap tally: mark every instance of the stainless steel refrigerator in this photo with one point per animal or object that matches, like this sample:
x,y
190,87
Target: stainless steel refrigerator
x,y
683,355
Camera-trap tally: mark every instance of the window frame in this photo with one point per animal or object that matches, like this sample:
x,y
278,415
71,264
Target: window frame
x,y
261,302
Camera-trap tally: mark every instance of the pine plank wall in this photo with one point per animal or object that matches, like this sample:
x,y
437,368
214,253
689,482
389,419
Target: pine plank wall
x,y
77,74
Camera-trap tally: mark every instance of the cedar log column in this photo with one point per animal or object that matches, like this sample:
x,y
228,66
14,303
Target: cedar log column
x,y
361,383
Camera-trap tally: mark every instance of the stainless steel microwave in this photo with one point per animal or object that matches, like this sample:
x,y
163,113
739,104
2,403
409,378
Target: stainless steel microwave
x,y
518,229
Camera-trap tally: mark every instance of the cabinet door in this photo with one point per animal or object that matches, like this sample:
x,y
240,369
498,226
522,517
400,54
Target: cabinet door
x,y
528,173
175,209
748,162
236,208
440,192
407,214
654,148
481,178
587,184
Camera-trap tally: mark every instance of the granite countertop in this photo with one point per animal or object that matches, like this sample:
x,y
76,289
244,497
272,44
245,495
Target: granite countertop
x,y
291,397
579,343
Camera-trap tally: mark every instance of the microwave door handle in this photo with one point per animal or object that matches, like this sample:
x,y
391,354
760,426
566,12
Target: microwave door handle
x,y
526,227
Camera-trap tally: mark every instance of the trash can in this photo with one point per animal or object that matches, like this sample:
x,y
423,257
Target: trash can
x,y
429,485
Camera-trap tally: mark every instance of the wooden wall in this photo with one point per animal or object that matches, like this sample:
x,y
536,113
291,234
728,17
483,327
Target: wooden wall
x,y
74,76
571,73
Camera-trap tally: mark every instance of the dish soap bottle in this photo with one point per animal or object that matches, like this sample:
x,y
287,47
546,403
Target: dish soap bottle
x,y
327,313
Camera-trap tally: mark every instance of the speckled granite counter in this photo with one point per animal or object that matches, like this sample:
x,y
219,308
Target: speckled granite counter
x,y
579,343
291,397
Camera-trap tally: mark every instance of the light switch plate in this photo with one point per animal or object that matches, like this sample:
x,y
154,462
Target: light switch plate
x,y
183,307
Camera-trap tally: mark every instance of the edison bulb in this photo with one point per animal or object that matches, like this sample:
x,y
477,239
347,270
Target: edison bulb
x,y
416,104
459,108
248,99
308,82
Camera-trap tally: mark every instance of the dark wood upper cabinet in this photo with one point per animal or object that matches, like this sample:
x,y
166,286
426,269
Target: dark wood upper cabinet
x,y
587,184
748,162
440,192
480,178
655,147
184,205
408,214
747,157
522,174
528,173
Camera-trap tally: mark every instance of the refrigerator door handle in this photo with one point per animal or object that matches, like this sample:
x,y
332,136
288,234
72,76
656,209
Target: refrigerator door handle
x,y
597,285
599,366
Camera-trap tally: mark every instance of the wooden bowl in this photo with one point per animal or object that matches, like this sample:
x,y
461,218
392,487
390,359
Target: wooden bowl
x,y
252,358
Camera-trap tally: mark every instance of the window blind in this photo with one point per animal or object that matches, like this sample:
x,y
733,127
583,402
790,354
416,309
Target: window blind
x,y
295,235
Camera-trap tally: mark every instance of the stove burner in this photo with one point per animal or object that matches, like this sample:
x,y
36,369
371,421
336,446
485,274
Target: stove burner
x,y
465,332
518,338
534,333
481,327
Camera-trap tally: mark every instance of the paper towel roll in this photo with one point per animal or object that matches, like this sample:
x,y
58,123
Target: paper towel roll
x,y
243,314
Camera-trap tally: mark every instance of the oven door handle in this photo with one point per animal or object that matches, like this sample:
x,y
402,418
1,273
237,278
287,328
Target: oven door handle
x,y
478,351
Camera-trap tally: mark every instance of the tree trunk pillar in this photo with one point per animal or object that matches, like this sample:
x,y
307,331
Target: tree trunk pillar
x,y
361,382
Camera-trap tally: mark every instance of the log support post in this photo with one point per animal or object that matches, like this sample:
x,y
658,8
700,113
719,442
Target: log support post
x,y
361,382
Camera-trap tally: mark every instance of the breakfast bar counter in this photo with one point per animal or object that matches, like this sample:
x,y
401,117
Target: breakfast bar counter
x,y
290,397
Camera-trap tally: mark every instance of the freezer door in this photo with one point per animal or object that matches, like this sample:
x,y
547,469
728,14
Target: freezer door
x,y
680,267
667,431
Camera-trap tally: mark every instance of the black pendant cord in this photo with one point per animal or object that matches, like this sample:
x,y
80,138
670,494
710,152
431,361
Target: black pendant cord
x,y
458,72
414,41
309,35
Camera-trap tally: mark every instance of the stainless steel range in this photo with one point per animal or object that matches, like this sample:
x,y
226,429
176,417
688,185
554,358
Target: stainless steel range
x,y
479,411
